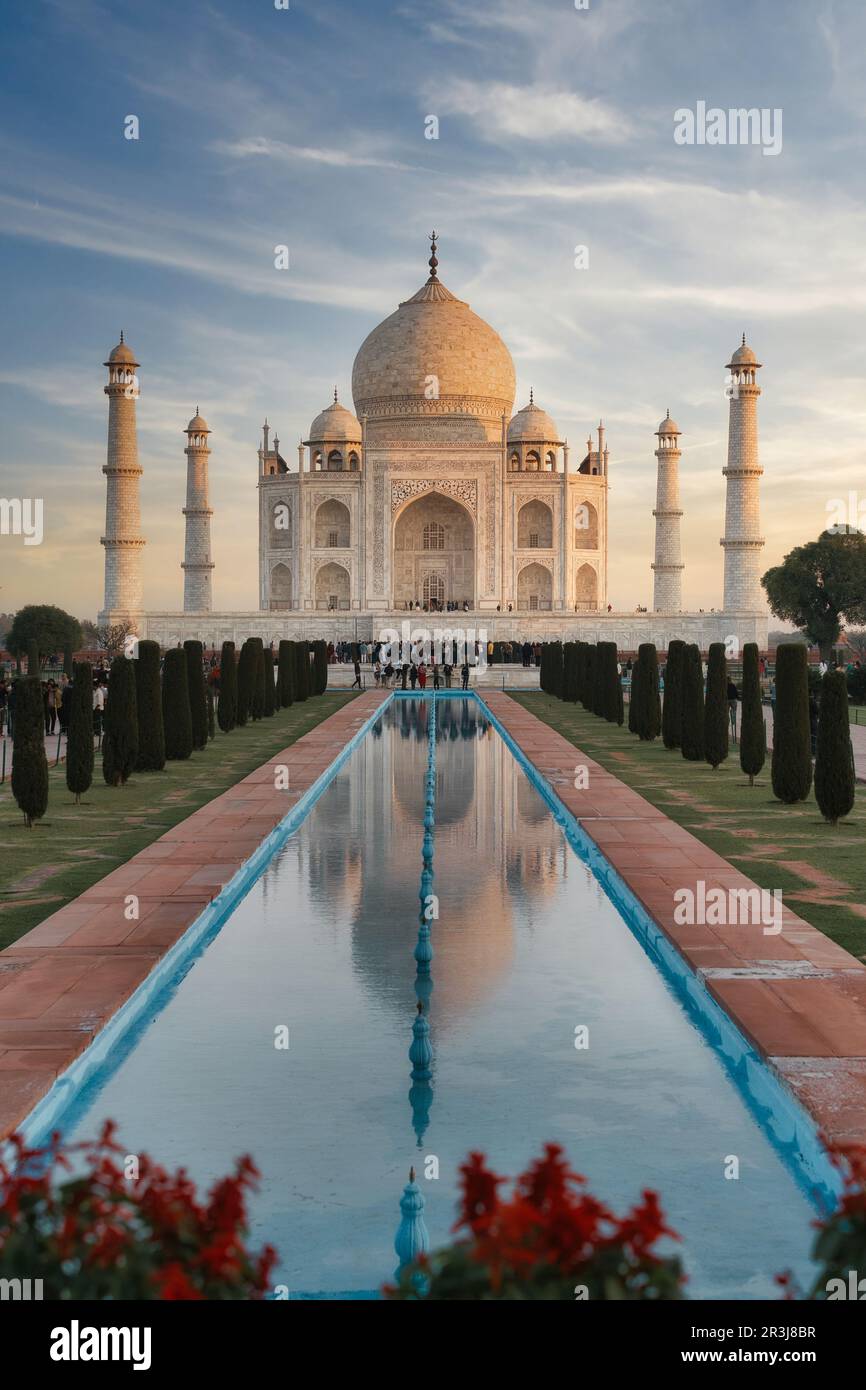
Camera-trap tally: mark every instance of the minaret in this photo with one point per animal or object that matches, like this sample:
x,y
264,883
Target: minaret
x,y
122,540
743,541
197,563
668,566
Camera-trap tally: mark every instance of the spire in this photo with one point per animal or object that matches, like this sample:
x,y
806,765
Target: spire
x,y
433,262
335,395
744,339
121,336
531,396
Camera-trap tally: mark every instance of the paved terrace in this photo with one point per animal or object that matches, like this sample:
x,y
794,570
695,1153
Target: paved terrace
x,y
797,996
64,980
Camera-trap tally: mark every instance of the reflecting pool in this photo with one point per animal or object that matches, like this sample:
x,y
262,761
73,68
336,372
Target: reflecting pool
x,y
527,948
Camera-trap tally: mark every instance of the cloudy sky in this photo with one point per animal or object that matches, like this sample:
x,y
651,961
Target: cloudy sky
x,y
306,127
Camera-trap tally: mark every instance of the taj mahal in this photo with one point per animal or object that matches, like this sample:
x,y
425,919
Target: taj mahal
x,y
434,494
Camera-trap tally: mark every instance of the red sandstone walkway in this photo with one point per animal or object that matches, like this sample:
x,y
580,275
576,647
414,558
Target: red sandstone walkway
x,y
64,980
798,997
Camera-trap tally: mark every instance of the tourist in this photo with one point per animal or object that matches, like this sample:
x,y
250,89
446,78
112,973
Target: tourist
x,y
464,675
389,673
4,697
422,676
733,697
357,680
413,675
377,672
98,707
436,681
446,671
48,706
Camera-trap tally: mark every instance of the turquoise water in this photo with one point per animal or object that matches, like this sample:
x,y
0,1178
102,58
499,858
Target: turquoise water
x,y
527,948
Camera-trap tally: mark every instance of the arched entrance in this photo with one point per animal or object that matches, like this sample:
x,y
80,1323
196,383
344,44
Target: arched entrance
x,y
281,588
332,587
434,552
535,588
586,589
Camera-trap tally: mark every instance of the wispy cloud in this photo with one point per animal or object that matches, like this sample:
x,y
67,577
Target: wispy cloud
x,y
505,111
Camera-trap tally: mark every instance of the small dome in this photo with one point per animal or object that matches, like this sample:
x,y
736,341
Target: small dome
x,y
197,425
532,425
744,356
668,426
336,423
122,353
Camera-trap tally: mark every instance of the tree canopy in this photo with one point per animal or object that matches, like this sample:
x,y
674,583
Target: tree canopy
x,y
50,628
819,585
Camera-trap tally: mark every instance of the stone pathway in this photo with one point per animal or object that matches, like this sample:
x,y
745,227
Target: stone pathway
x,y
797,996
64,980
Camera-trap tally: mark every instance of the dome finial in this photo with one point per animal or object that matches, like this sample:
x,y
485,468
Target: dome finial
x,y
433,262
744,340
335,395
121,335
531,396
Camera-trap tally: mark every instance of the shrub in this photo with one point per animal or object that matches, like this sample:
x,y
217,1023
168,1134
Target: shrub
x,y
600,677
270,705
834,760
555,669
302,670
579,669
286,662
246,681
791,764
569,670
34,665
672,710
692,734
79,741
320,667
176,714
228,696
647,717
97,1234
257,705
716,706
753,730
29,764
588,692
549,1237
196,688
148,703
120,733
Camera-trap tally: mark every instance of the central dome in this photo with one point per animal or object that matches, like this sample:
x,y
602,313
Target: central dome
x,y
433,357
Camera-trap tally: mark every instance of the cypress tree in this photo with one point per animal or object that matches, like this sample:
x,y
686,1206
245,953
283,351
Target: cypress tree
x,y
672,709
647,717
246,674
29,764
228,696
792,738
257,706
320,667
79,739
692,735
120,736
176,713
716,706
834,758
588,692
270,688
579,669
302,670
275,659
286,673
753,731
68,663
148,704
196,689
611,683
569,671
599,679
34,665
634,699
554,669
211,731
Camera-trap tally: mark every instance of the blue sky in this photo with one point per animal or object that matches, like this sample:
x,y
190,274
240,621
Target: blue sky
x,y
306,127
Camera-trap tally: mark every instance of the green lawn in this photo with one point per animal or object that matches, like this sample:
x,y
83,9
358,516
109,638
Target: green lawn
x,y
821,869
74,846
